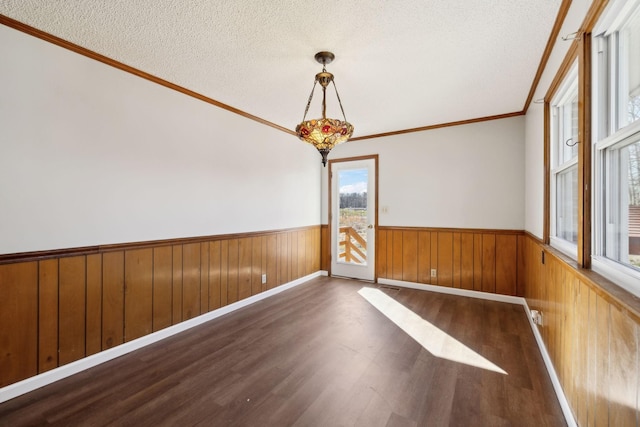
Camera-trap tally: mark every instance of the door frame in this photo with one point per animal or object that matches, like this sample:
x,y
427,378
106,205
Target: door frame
x,y
373,157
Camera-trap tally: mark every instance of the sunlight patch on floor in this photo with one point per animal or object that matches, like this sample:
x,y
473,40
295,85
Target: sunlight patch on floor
x,y
433,339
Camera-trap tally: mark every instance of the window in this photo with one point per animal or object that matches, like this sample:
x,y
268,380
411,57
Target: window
x,y
616,124
564,165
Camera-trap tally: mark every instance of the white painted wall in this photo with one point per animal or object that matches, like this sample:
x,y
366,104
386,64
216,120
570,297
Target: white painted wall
x,y
469,176
534,170
92,155
534,132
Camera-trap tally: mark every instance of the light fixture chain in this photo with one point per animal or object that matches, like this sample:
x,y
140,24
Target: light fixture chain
x,y
324,102
306,110
339,102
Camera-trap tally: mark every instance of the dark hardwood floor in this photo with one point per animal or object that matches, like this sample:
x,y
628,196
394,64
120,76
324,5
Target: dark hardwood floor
x,y
316,355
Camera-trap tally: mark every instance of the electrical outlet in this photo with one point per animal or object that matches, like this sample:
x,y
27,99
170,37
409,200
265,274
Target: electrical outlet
x,y
264,278
434,273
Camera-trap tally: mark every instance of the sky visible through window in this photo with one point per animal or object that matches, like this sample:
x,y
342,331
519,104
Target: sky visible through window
x,y
353,181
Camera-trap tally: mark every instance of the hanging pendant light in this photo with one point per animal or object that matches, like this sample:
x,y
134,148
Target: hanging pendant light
x,y
324,133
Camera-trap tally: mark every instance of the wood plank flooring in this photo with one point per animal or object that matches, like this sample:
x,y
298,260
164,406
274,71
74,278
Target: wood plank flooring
x,y
316,355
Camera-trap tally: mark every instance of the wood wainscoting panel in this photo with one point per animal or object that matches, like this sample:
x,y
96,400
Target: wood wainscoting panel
x,y
489,263
19,321
445,259
457,260
244,267
424,257
506,264
381,253
224,272
72,303
214,275
389,252
308,251
477,261
325,250
466,261
204,277
283,258
410,256
434,257
176,284
71,309
581,349
623,372
191,281
93,331
162,290
311,251
296,263
47,315
306,259
257,244
232,273
286,255
138,293
592,351
397,263
112,299
483,260
602,355
592,334
520,267
272,261
263,270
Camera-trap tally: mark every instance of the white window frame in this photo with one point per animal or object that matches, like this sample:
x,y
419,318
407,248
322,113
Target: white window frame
x,y
610,132
566,91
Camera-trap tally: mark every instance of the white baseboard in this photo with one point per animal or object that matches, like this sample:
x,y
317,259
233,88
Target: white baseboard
x,y
562,399
46,378
564,403
454,291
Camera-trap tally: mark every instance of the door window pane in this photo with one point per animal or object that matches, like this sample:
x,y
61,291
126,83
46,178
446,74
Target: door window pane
x,y
352,223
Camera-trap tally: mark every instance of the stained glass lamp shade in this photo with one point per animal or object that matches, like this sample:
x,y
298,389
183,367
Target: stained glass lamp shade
x,y
324,133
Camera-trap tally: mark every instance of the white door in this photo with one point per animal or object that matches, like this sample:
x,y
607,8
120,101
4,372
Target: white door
x,y
353,218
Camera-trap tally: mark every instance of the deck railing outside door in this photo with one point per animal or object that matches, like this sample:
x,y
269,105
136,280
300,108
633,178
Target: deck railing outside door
x,y
355,247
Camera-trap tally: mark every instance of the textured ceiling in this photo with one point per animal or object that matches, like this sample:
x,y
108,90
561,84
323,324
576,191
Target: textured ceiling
x,y
399,64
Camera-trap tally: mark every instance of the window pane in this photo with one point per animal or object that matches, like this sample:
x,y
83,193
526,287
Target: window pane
x,y
623,236
630,70
567,205
570,146
567,127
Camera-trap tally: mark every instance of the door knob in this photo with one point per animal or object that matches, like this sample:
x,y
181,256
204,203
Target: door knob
x,y
370,226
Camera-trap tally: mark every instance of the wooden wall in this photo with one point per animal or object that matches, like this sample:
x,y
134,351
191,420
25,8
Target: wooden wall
x,y
58,309
481,260
591,329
